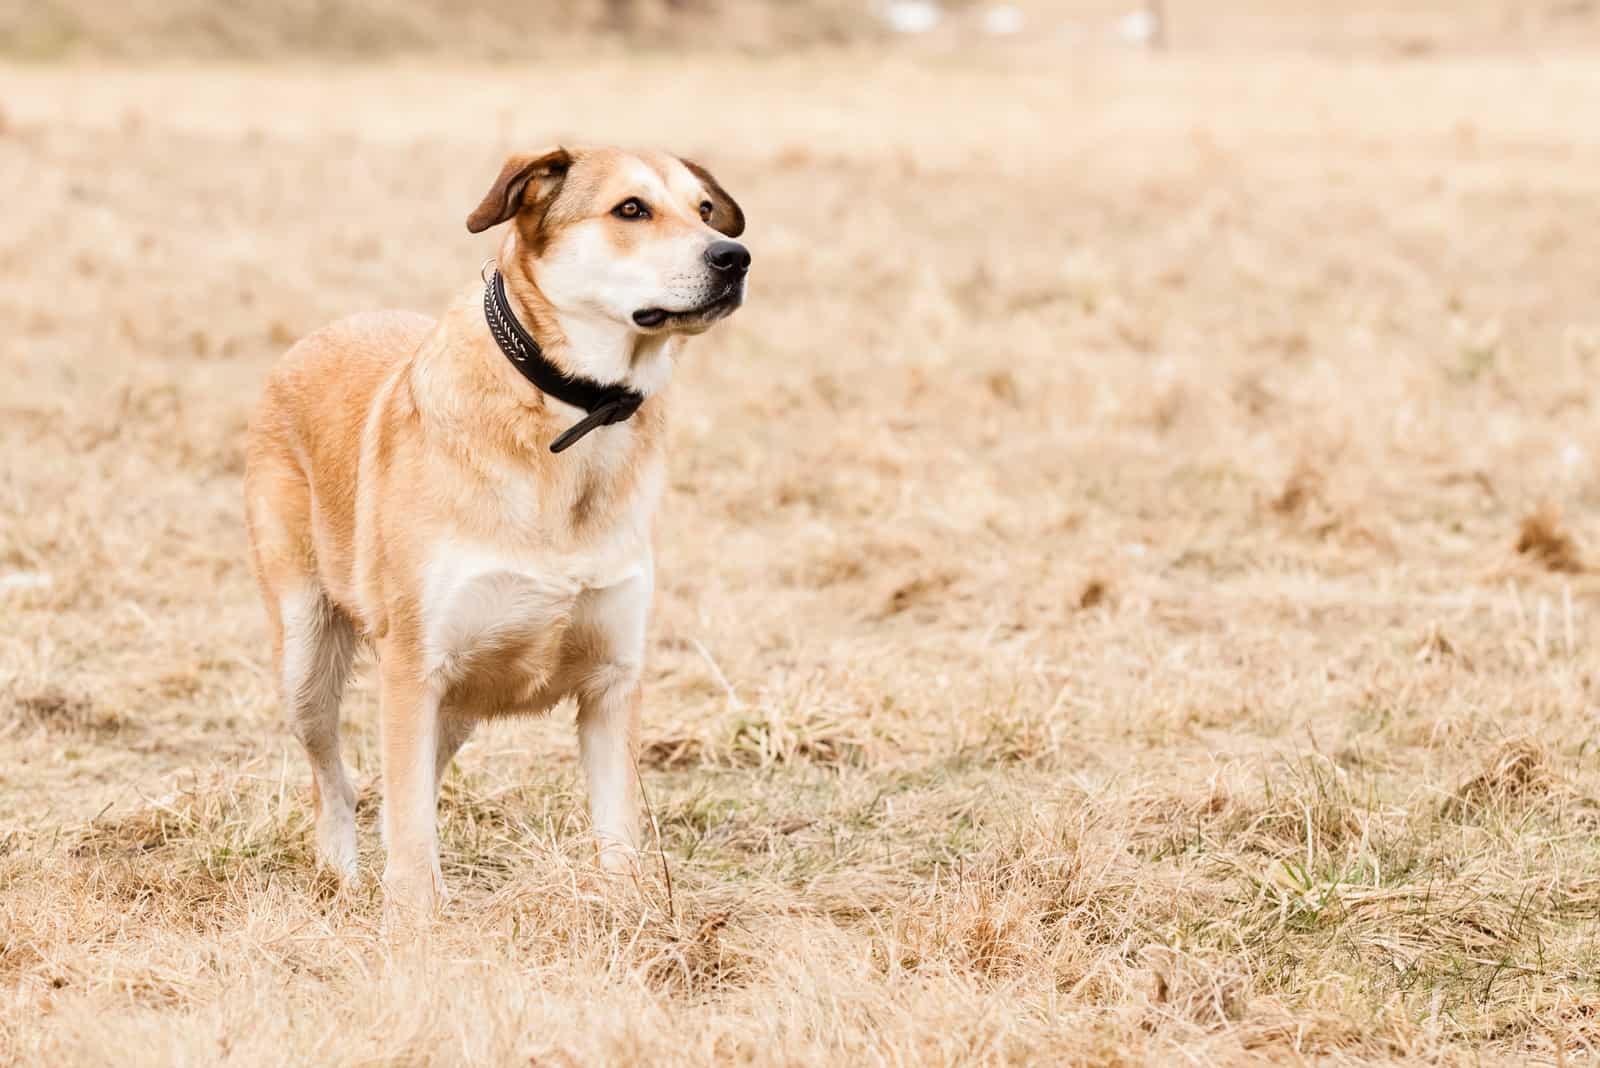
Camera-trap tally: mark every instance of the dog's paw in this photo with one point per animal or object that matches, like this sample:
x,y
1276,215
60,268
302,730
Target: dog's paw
x,y
336,845
412,895
618,859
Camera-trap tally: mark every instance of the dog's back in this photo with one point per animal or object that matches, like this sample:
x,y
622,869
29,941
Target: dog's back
x,y
304,446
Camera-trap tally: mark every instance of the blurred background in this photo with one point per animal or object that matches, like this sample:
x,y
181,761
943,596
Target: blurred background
x,y
483,30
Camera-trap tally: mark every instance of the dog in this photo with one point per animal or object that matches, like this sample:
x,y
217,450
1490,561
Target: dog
x,y
473,497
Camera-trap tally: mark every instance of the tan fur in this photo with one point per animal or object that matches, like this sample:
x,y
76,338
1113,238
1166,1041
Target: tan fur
x,y
400,489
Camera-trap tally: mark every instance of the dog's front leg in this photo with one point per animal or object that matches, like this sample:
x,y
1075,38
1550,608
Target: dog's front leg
x,y
608,730
408,708
608,713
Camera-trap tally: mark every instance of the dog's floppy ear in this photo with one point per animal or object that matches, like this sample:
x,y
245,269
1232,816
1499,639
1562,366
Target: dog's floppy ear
x,y
726,215
504,199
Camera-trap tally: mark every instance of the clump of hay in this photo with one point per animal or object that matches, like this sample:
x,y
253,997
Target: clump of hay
x,y
1095,592
55,711
1545,538
1208,992
1299,490
1515,774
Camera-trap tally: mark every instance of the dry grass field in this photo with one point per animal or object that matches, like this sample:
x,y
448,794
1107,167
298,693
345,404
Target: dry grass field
x,y
1129,585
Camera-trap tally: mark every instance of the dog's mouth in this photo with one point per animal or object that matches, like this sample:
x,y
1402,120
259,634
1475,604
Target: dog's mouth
x,y
717,307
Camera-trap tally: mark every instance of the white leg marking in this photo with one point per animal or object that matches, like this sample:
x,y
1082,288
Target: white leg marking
x,y
318,646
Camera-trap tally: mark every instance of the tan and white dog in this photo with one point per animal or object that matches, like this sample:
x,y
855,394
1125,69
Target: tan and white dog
x,y
401,489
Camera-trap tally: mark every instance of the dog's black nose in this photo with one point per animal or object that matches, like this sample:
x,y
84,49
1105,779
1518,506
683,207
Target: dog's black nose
x,y
730,257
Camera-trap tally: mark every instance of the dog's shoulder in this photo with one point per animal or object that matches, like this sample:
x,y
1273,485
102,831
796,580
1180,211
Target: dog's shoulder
x,y
370,340
329,376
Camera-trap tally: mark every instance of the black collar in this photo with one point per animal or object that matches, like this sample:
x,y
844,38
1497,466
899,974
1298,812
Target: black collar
x,y
605,404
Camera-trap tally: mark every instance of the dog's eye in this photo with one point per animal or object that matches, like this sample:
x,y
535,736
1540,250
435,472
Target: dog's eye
x,y
706,208
632,208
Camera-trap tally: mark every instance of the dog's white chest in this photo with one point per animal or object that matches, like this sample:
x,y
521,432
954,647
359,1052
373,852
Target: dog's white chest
x,y
486,611
505,619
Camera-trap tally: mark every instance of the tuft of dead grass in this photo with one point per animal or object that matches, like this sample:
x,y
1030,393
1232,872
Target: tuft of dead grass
x,y
52,710
1545,538
1515,773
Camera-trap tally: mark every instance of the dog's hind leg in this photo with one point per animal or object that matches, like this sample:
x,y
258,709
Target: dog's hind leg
x,y
454,730
318,648
313,643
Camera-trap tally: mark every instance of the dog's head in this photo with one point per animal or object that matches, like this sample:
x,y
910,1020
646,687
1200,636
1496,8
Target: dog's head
x,y
643,239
